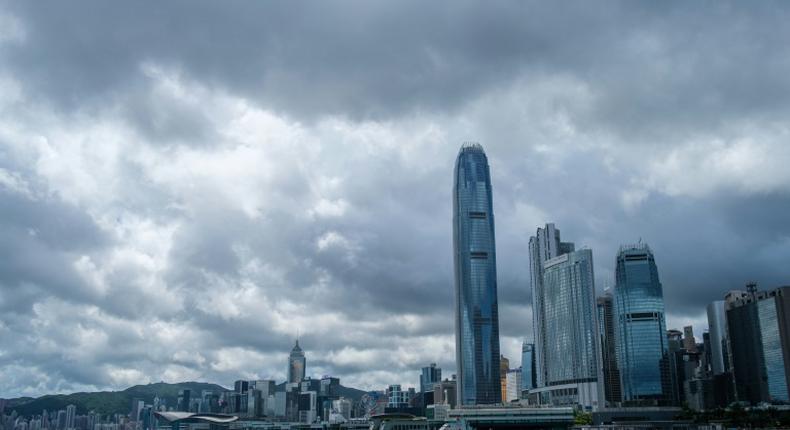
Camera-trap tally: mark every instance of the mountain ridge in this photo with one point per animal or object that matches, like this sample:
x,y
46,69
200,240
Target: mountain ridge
x,y
119,402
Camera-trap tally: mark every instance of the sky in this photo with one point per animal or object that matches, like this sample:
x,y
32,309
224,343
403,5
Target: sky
x,y
186,185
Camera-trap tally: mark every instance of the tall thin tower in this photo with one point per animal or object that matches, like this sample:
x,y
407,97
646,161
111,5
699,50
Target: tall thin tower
x,y
474,252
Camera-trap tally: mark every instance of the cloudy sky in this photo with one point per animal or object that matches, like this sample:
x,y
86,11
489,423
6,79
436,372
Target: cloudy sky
x,y
185,185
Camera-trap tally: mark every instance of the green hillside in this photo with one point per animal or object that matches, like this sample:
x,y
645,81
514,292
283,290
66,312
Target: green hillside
x,y
107,402
120,402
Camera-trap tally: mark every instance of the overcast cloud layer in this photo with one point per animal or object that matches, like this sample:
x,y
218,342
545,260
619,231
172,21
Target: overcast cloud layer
x,y
185,185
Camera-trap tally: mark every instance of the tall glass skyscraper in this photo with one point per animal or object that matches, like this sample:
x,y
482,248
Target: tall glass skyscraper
x,y
717,327
759,329
474,252
544,246
527,366
570,351
640,329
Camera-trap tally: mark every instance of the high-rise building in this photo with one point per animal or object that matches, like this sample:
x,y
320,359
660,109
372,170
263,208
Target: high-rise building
x,y
296,364
569,333
544,246
689,342
717,330
430,375
396,397
513,385
759,331
445,392
474,253
183,400
71,413
611,376
527,366
504,367
641,345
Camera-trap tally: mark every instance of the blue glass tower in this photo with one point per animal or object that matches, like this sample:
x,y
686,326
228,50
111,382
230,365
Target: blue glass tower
x,y
640,329
476,310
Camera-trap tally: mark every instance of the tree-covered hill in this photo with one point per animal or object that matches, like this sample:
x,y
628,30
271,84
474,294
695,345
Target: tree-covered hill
x,y
107,402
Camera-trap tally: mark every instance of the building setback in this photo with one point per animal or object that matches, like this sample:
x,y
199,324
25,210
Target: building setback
x,y
474,254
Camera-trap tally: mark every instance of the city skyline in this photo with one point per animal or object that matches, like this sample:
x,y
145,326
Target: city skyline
x,y
185,186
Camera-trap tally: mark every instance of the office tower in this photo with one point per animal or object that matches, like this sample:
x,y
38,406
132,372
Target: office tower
x,y
342,406
241,386
611,376
504,367
527,366
513,385
396,398
183,400
330,387
474,254
445,393
689,342
640,329
544,246
717,329
296,364
570,339
71,413
429,376
759,331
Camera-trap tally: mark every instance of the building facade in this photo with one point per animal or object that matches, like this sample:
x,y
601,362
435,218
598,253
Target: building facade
x,y
570,352
296,364
759,330
527,366
476,307
544,246
610,374
513,385
429,376
640,329
717,330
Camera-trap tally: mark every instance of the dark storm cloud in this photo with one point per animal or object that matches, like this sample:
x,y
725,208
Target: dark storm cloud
x,y
186,185
693,65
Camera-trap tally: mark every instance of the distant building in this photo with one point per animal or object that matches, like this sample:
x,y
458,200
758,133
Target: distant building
x,y
342,406
397,398
527,366
474,253
642,354
430,375
717,329
570,350
606,330
759,330
445,392
184,397
513,385
544,246
71,413
689,343
296,364
504,367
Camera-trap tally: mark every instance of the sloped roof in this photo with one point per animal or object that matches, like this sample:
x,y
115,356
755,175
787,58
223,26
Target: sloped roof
x,y
172,416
